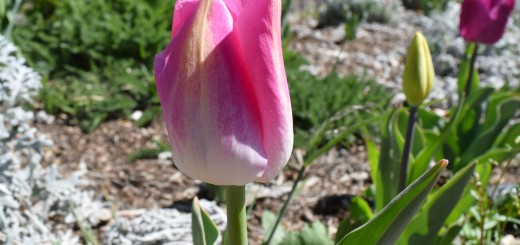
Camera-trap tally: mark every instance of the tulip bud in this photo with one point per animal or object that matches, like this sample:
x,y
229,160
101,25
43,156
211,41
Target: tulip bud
x,y
484,21
224,92
418,74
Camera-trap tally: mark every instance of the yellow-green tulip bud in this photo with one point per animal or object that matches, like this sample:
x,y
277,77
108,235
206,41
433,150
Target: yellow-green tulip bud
x,y
418,74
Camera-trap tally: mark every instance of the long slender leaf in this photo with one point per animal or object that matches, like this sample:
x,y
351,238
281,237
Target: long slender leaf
x,y
448,237
500,111
464,68
388,166
425,226
204,231
360,213
387,225
466,123
373,159
508,137
421,162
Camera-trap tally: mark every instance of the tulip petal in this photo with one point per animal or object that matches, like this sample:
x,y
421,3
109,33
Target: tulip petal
x,y
183,10
484,21
224,93
258,24
210,110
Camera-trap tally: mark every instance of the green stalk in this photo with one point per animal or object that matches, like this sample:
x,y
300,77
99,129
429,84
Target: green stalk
x,y
407,148
469,83
236,215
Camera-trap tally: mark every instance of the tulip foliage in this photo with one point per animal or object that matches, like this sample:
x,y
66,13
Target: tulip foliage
x,y
227,109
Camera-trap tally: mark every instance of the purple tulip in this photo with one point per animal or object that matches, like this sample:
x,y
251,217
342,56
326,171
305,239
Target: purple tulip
x,y
224,92
484,21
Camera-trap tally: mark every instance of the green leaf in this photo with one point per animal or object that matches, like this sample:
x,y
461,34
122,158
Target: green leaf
x,y
344,227
292,238
316,233
148,116
148,153
373,159
508,137
360,213
387,225
421,162
312,234
360,209
389,159
429,119
466,124
3,10
484,173
268,220
204,231
449,236
429,220
315,153
500,110
464,68
462,207
419,141
495,154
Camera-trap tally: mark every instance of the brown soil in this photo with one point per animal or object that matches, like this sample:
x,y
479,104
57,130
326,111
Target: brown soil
x,y
328,184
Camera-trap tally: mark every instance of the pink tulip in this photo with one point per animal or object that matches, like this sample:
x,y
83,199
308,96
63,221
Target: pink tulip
x,y
484,21
223,91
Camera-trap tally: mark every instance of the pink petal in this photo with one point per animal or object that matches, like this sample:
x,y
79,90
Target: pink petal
x,y
484,21
258,27
209,107
183,10
224,93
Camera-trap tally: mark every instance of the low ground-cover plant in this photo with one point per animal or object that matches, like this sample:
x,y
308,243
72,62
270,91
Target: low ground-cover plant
x,y
96,56
425,6
321,105
37,204
352,13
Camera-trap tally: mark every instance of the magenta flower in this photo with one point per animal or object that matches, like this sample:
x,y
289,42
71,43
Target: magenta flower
x,y
484,21
223,91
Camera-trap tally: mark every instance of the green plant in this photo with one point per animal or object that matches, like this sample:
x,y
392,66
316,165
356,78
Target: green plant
x,y
321,105
96,55
426,6
352,13
382,228
320,109
479,132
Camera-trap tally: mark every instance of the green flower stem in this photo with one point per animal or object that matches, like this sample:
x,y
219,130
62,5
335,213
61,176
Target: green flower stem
x,y
469,83
407,148
236,215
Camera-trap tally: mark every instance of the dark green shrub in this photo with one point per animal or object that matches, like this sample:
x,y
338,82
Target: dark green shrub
x,y
96,56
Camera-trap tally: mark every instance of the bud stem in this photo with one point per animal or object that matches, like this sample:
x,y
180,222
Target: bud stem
x,y
236,215
469,83
407,147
